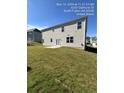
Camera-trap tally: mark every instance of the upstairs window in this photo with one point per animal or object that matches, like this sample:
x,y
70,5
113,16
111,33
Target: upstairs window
x,y
79,25
63,29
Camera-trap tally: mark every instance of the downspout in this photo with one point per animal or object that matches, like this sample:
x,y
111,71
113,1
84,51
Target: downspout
x,y
85,32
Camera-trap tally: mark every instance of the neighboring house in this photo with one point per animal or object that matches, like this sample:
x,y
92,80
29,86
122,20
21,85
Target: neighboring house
x,y
93,41
69,34
87,40
33,35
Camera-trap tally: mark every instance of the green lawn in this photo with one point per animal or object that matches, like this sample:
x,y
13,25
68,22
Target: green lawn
x,y
61,70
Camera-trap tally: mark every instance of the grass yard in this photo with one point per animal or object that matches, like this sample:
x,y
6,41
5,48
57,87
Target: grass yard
x,y
61,70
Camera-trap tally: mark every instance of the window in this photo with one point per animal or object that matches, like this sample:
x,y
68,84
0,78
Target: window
x,y
51,40
70,39
63,29
67,39
79,25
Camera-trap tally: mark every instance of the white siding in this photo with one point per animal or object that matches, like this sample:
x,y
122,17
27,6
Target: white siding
x,y
69,30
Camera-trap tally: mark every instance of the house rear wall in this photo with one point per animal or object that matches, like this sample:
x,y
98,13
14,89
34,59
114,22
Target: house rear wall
x,y
69,30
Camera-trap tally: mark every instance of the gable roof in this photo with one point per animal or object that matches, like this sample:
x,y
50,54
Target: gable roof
x,y
64,24
34,29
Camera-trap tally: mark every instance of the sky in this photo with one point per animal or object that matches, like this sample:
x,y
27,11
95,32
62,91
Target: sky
x,y
45,13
